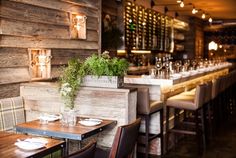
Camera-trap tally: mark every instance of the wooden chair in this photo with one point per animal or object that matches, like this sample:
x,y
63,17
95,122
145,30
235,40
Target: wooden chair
x,y
124,142
87,152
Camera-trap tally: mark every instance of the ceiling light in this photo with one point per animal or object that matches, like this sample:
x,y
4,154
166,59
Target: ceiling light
x,y
181,4
210,20
203,15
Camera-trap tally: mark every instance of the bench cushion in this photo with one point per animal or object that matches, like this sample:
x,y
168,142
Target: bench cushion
x,y
11,113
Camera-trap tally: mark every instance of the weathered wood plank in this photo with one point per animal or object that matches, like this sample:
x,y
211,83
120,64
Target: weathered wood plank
x,y
24,12
56,71
20,28
13,75
13,57
92,23
85,3
88,9
9,90
30,42
61,56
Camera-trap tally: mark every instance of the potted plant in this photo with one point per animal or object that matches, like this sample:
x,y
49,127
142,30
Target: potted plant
x,y
103,71
99,71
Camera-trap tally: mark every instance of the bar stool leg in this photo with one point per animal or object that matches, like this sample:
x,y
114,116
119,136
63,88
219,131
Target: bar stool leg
x,y
161,131
167,129
203,127
147,122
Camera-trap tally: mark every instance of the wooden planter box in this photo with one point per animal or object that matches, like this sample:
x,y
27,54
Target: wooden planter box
x,y
103,81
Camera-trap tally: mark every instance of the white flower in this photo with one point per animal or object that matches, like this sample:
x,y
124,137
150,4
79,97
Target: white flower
x,y
65,89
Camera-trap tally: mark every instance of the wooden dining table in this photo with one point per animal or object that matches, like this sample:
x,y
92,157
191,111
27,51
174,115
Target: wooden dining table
x,y
8,149
57,129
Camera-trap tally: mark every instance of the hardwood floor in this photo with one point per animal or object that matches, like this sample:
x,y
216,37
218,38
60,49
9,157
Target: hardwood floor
x,y
221,145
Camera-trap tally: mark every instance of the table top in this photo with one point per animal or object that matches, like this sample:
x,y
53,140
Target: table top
x,y
56,129
10,150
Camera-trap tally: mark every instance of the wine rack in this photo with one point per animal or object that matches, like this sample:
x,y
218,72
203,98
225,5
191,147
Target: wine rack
x,y
146,29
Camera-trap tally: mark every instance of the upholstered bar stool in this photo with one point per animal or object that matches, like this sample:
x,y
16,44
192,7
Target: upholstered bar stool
x,y
193,103
145,109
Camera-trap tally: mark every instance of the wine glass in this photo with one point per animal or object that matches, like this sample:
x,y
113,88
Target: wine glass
x,y
178,64
158,65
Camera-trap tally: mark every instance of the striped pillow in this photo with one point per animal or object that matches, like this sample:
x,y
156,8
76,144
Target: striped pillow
x,y
11,113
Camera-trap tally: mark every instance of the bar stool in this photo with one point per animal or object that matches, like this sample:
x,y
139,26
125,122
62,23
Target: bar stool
x,y
145,109
193,103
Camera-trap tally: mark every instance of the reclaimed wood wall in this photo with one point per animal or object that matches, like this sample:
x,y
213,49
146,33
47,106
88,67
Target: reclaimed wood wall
x,y
42,24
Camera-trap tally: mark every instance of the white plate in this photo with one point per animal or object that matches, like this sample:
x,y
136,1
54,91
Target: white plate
x,y
90,122
50,118
25,145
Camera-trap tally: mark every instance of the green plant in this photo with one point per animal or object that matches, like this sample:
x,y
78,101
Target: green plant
x,y
73,74
105,66
70,82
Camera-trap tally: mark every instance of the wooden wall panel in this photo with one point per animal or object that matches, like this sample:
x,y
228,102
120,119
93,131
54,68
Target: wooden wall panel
x,y
24,12
14,75
34,42
22,28
9,90
13,57
43,24
65,6
61,56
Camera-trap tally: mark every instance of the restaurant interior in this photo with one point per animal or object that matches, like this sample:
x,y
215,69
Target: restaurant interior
x,y
117,78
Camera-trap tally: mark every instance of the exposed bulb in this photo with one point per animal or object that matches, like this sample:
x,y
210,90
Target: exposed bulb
x,y
181,4
194,11
210,20
203,16
178,1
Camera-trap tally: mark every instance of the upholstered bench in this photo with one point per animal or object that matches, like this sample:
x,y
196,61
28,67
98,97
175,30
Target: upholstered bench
x,y
11,113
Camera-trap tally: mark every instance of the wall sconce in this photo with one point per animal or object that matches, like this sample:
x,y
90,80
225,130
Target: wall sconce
x,y
78,26
40,63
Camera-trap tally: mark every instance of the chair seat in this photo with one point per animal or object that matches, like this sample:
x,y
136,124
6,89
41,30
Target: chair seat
x,y
191,92
182,101
155,106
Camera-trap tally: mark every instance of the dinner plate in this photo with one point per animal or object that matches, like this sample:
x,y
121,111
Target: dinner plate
x,y
90,122
50,118
25,145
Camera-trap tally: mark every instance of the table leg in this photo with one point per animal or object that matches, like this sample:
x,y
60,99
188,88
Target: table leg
x,y
67,147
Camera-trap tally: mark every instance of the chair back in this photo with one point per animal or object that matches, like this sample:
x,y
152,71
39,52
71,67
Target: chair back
x,y
143,104
125,140
86,152
199,99
208,92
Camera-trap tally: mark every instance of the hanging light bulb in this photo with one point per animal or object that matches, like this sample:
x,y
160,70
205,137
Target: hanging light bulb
x,y
194,11
182,4
203,15
210,20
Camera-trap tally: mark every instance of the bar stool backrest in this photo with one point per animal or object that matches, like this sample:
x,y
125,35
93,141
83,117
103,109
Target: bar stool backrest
x,y
143,103
208,92
199,99
215,88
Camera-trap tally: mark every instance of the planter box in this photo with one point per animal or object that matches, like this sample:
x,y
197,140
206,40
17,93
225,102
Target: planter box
x,y
103,81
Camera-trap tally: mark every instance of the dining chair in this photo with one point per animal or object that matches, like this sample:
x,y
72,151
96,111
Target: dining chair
x,y
86,152
124,142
